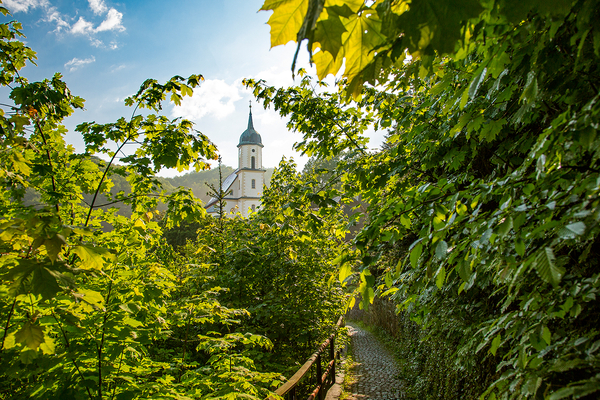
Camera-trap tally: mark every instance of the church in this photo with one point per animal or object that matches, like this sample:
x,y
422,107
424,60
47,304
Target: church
x,y
245,185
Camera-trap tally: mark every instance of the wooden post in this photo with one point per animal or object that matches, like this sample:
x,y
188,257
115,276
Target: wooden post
x,y
319,376
332,357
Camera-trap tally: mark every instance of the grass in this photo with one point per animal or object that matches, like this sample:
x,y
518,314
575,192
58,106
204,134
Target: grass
x,y
350,366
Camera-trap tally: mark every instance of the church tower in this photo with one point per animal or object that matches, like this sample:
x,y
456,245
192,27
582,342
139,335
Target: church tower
x,y
251,175
246,183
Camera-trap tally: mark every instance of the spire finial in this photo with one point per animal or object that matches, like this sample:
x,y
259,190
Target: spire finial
x,y
250,124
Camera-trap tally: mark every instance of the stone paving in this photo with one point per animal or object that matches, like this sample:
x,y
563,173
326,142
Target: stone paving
x,y
376,371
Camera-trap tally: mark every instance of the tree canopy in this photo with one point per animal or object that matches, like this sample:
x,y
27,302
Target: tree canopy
x,y
483,212
99,305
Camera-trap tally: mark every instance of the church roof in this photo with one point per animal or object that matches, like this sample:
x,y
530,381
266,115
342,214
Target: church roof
x,y
250,136
226,185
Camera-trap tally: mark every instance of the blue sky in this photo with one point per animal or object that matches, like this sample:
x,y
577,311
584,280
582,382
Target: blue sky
x,y
105,49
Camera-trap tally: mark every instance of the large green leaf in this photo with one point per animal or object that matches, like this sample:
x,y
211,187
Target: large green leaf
x,y
546,268
328,64
34,277
329,29
286,20
415,254
345,272
441,250
441,277
546,335
476,83
505,226
90,299
570,231
362,36
30,335
495,344
92,257
366,289
54,245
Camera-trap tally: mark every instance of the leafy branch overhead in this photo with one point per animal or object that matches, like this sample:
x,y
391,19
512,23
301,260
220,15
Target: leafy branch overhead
x,y
372,37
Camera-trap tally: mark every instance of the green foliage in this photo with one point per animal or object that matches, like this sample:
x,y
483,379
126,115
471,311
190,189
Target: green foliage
x,y
94,304
279,265
483,202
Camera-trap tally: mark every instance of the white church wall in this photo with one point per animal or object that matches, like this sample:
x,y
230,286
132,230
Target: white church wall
x,y
246,182
246,154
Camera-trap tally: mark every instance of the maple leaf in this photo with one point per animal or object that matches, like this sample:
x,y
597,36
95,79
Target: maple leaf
x,y
31,335
92,256
287,19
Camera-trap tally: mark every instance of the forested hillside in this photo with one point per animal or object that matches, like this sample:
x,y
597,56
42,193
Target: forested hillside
x,y
198,181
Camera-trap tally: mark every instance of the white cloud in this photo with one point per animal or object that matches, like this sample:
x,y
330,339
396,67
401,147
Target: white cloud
x,y
76,63
214,97
24,5
116,68
112,22
52,15
82,27
98,6
96,42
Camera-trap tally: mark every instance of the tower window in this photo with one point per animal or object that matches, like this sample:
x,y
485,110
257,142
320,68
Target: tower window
x,y
253,183
252,162
253,150
253,208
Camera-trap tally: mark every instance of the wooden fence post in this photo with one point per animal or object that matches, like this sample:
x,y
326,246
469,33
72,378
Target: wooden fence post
x,y
288,389
332,357
319,376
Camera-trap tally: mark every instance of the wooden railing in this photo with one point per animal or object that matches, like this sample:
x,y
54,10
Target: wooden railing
x,y
323,380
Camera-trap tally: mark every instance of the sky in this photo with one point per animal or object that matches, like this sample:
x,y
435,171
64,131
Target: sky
x,y
106,49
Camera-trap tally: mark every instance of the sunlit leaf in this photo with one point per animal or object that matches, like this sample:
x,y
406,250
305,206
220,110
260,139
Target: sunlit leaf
x,y
30,335
546,335
286,20
345,272
92,257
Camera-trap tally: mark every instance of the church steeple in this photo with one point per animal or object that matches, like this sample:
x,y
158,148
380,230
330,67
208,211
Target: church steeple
x,y
250,136
250,123
246,183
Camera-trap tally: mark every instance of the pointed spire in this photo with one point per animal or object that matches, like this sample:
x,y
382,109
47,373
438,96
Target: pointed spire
x,y
250,123
250,136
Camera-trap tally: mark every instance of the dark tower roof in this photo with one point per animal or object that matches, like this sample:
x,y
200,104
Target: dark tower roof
x,y
250,136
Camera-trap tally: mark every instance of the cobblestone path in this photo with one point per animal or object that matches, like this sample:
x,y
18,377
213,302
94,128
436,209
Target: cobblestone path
x,y
376,371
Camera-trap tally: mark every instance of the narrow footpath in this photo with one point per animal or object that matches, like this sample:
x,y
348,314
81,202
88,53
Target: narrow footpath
x,y
375,371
